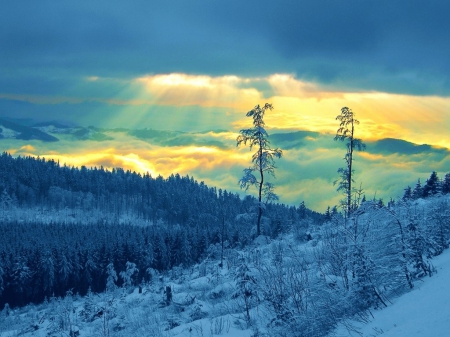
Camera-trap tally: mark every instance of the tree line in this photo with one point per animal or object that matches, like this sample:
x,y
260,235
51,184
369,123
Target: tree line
x,y
433,185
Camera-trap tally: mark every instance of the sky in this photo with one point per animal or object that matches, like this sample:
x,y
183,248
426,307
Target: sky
x,y
198,66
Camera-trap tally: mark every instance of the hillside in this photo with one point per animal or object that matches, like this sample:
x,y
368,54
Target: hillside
x,y
9,129
422,312
154,222
384,263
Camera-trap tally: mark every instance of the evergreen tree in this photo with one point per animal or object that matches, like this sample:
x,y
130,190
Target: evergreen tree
x,y
419,249
47,270
263,159
65,268
446,184
22,276
302,210
334,211
89,269
408,194
2,282
246,287
111,278
431,186
89,306
128,276
438,227
328,214
346,132
418,191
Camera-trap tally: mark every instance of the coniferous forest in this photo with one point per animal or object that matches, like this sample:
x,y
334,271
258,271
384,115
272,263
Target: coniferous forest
x,y
62,226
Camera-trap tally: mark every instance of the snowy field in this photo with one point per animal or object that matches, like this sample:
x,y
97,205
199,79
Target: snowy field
x,y
423,312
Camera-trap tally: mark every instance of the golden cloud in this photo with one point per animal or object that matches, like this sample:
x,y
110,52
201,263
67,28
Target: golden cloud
x,y
298,104
307,106
206,91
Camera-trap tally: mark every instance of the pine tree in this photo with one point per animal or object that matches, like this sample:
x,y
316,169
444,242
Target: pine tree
x,y
328,214
431,186
408,194
65,268
446,184
89,306
111,278
334,211
263,159
418,191
438,227
346,132
47,270
245,287
21,276
2,283
419,248
129,274
302,210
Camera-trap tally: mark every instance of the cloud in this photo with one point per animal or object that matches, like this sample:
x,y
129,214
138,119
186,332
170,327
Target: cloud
x,y
396,47
186,102
181,89
306,171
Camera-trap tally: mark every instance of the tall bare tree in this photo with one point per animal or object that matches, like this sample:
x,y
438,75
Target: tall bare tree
x,y
263,159
346,132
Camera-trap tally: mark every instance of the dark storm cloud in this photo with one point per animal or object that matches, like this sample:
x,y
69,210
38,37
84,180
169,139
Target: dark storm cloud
x,y
396,46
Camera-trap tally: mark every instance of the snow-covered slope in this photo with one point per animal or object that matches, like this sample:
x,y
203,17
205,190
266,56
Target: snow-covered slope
x,y
423,312
198,310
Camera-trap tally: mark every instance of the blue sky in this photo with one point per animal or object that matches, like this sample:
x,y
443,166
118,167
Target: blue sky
x,y
200,65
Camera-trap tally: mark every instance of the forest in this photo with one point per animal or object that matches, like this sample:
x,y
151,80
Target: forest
x,y
61,226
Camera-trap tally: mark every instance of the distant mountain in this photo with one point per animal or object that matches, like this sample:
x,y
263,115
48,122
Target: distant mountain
x,y
51,123
27,129
146,134
291,140
13,130
90,133
178,138
392,145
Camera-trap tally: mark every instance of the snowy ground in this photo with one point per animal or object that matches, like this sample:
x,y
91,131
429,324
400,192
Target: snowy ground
x,y
202,306
423,312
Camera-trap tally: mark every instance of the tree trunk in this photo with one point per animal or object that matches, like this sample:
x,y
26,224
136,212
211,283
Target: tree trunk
x,y
350,162
258,224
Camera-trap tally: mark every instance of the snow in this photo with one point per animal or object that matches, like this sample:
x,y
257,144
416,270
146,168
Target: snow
x,y
203,305
210,327
422,312
8,133
425,311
